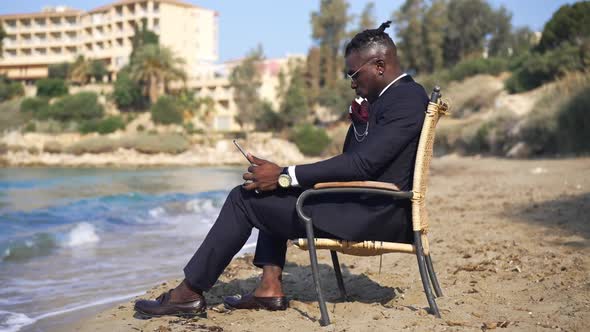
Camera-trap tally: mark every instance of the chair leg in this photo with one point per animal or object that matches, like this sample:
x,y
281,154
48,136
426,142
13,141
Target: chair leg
x,y
325,318
424,274
338,275
433,278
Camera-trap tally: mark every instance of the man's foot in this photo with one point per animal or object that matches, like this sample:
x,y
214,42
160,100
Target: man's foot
x,y
251,301
165,306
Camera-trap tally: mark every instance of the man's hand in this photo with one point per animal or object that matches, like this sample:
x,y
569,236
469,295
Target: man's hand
x,y
263,174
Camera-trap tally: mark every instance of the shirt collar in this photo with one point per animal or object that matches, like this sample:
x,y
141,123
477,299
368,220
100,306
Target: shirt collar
x,y
395,80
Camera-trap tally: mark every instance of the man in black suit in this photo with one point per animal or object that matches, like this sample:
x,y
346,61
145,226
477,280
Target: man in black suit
x,y
380,145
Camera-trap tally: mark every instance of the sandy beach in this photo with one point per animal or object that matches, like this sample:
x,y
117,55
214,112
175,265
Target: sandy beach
x,y
509,239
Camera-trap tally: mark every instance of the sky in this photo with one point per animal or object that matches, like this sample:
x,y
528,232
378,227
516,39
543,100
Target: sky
x,y
283,27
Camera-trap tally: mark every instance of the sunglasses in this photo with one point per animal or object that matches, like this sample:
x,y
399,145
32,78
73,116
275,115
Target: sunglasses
x,y
352,76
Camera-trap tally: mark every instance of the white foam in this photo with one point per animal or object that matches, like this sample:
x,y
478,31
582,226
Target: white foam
x,y
83,233
201,206
13,321
157,212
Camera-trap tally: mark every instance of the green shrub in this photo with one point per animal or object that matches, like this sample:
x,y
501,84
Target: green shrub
x,y
98,70
51,87
102,126
573,122
269,119
127,93
110,125
37,106
30,127
310,140
190,129
152,144
166,111
537,69
491,66
140,128
79,107
559,120
10,89
59,70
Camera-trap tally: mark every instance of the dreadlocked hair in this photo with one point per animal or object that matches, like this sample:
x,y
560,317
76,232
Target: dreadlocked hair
x,y
370,38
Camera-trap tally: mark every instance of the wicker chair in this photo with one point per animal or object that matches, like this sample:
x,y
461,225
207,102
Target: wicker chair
x,y
436,108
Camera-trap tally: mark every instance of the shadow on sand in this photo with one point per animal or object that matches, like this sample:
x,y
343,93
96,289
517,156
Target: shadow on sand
x,y
299,286
569,216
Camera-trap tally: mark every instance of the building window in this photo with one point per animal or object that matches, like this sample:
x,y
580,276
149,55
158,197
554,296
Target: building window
x,y
25,23
26,38
71,21
40,38
40,51
40,22
10,24
55,21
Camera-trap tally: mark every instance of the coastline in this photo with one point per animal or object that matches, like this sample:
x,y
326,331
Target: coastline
x,y
510,251
31,150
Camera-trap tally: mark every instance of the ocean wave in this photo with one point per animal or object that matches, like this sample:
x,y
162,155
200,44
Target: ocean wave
x,y
84,233
41,244
13,321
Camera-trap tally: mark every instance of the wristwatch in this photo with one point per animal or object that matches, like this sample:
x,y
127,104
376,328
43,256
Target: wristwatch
x,y
285,178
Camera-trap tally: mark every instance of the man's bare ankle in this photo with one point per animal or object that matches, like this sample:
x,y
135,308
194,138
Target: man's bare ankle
x,y
184,292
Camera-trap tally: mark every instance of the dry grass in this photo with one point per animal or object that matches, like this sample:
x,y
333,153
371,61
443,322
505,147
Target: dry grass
x,y
152,144
144,143
10,115
472,94
93,145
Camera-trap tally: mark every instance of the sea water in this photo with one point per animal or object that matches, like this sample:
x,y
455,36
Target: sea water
x,y
74,241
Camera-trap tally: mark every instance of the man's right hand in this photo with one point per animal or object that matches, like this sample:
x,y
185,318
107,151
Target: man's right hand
x,y
263,174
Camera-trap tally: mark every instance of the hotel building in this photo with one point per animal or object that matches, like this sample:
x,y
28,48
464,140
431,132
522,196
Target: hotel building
x,y
59,34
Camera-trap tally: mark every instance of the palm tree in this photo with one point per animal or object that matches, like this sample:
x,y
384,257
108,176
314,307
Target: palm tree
x,y
156,65
80,70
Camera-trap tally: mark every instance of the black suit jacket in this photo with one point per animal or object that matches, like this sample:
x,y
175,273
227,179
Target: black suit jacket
x,y
387,154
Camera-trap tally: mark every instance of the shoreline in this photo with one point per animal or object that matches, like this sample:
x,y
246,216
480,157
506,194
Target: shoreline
x,y
132,159
92,150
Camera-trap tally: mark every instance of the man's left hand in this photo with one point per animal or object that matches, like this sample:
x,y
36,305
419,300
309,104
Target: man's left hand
x,y
263,174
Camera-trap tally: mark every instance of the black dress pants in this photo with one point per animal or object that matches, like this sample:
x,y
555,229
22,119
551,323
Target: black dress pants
x,y
272,213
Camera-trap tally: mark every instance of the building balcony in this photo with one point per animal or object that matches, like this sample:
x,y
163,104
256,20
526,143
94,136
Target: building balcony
x,y
9,28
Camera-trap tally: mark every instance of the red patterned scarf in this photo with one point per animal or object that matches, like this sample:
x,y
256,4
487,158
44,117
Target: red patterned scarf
x,y
359,110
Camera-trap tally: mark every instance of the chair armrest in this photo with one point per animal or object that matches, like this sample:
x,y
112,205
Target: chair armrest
x,y
358,187
357,184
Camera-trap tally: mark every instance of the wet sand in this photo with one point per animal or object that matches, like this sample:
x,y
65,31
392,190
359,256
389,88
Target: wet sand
x,y
510,241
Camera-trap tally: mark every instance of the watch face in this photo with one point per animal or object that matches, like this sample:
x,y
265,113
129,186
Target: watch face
x,y
284,180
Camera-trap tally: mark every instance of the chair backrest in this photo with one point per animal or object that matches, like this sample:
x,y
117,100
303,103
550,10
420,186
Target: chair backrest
x,y
436,108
